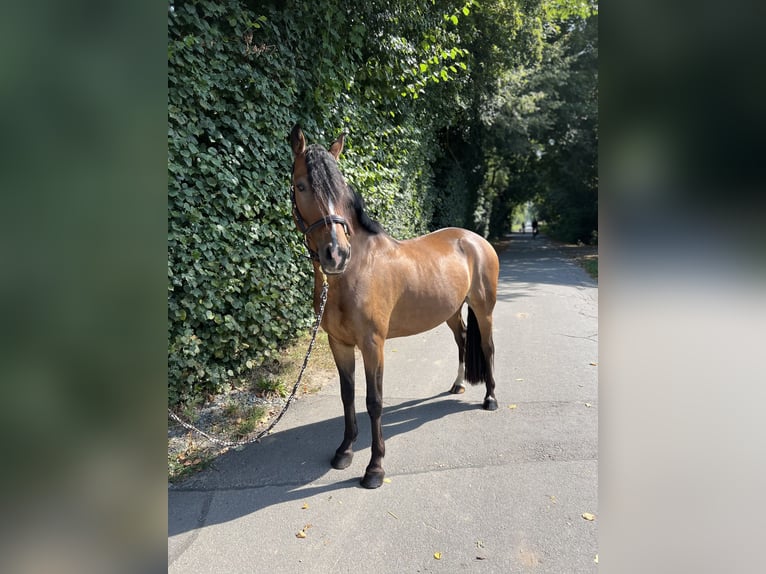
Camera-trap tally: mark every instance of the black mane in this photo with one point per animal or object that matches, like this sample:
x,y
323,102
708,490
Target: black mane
x,y
364,220
329,186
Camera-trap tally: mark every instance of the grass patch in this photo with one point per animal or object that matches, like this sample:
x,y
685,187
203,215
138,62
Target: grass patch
x,y
590,264
247,405
249,420
186,463
271,387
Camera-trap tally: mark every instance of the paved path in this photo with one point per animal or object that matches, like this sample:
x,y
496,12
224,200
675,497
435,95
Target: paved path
x,y
499,491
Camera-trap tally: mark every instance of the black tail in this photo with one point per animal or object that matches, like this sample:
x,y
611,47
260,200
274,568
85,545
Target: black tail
x,y
475,361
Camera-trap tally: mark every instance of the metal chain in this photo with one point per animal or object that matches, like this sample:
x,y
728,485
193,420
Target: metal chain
x,y
290,399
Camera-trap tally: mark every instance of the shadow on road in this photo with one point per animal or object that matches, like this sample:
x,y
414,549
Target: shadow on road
x,y
281,468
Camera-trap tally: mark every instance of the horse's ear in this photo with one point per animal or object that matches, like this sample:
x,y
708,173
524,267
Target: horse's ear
x,y
337,146
297,141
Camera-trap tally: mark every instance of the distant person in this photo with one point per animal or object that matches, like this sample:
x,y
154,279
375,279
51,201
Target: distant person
x,y
523,227
534,228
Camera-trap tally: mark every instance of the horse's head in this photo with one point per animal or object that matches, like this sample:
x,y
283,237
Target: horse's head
x,y
320,202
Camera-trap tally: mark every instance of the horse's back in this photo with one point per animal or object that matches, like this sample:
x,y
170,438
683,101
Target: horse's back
x,y
476,252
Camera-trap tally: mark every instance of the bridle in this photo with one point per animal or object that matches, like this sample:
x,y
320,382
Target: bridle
x,y
327,220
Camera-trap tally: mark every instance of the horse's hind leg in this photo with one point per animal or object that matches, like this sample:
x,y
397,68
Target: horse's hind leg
x,y
488,349
344,360
458,330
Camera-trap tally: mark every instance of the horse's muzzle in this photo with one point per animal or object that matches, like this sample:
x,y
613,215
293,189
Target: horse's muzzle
x,y
334,259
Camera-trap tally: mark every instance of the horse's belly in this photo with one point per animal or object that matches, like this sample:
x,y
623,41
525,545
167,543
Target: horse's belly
x,y
416,317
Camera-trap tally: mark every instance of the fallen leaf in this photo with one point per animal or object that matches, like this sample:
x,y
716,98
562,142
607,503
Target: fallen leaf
x,y
479,544
553,498
305,506
588,516
596,559
593,364
438,555
392,514
387,480
481,558
588,405
513,406
301,534
519,380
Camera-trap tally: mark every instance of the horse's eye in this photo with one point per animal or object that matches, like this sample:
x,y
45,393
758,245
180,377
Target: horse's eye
x,y
301,186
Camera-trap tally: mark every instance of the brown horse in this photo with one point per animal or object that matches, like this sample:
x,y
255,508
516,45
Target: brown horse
x,y
380,288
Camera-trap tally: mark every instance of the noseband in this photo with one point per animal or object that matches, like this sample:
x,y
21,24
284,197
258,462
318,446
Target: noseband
x,y
327,220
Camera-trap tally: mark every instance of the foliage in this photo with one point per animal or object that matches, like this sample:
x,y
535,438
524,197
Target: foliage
x,y
236,281
543,136
412,84
569,200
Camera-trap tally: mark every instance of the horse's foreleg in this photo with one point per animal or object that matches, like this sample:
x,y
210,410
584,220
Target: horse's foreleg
x,y
458,330
373,369
344,360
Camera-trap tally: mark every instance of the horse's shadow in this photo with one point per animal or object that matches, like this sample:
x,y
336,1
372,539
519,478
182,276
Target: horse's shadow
x,y
283,466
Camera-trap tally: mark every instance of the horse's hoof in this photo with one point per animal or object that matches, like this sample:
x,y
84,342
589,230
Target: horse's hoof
x,y
342,460
457,389
490,404
372,479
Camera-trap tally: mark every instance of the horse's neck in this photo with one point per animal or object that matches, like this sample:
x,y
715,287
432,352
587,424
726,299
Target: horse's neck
x,y
365,240
362,242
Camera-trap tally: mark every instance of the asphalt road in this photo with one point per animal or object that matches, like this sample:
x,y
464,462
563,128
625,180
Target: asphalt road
x,y
469,491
